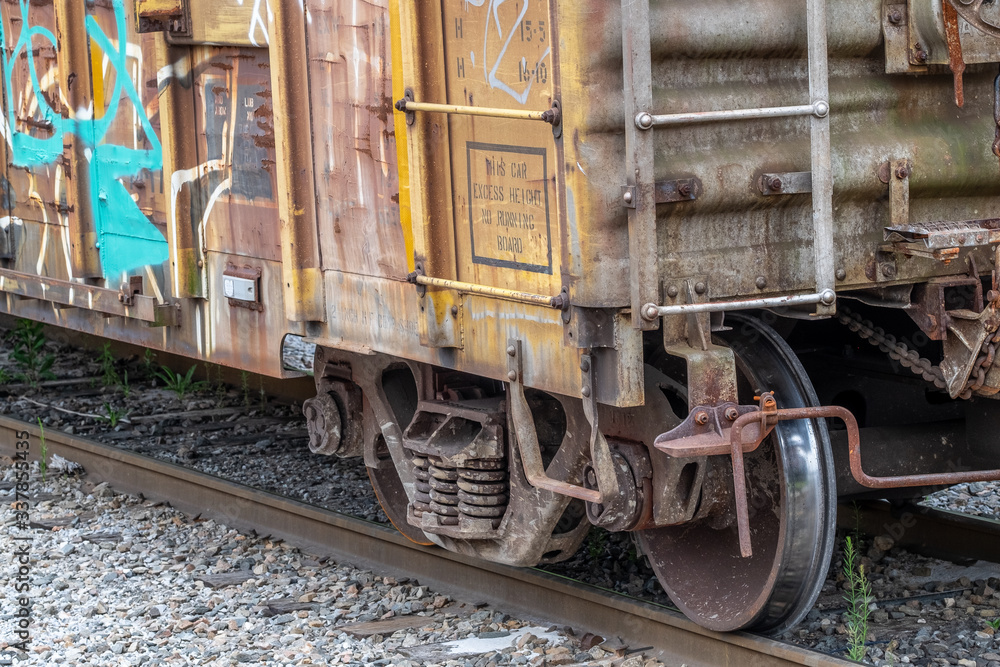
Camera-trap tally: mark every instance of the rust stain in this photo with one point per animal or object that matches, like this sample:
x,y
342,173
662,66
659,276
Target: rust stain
x,y
955,58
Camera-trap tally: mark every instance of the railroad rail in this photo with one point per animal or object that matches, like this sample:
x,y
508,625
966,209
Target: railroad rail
x,y
929,531
530,592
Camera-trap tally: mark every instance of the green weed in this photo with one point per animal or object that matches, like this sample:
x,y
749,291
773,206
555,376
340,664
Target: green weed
x,y
43,461
182,385
597,542
858,592
994,623
5,377
147,361
126,389
219,386
113,415
109,374
29,355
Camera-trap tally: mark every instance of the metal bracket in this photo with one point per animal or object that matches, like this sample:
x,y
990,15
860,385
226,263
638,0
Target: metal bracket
x,y
711,374
694,328
929,303
523,429
170,16
128,290
896,174
665,192
600,452
785,183
901,56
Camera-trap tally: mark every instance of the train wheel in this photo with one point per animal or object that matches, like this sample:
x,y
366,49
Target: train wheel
x,y
792,499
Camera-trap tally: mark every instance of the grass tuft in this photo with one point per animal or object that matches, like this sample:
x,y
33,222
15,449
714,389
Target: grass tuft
x,y
182,385
28,354
858,591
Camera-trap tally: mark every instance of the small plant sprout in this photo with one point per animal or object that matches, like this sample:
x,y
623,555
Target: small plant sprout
x,y
5,377
147,360
28,353
113,415
994,623
857,593
245,387
43,453
219,387
126,389
182,385
109,375
597,542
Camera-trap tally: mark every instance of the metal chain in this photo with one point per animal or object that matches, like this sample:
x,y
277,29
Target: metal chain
x,y
910,359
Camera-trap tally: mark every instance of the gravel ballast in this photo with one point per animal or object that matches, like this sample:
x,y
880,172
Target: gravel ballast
x,y
118,581
918,604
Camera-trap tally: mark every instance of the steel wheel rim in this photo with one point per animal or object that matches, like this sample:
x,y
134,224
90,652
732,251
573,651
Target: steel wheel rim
x,y
791,557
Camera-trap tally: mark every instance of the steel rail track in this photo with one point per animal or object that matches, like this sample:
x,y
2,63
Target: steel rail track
x,y
929,531
529,592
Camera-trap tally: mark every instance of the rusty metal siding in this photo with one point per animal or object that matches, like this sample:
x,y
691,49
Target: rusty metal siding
x,y
235,140
357,187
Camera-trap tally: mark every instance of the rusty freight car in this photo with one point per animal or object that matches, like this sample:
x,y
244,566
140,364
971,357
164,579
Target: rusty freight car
x,y
657,266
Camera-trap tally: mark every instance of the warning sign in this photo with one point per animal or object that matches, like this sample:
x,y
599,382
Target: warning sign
x,y
509,206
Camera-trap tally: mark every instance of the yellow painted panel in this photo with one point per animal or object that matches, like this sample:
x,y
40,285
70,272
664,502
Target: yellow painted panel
x,y
402,157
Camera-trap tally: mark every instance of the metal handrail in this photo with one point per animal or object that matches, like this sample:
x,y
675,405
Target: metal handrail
x,y
646,121
827,298
550,116
559,301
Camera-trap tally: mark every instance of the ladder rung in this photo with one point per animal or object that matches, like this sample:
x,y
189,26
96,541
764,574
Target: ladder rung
x,y
645,120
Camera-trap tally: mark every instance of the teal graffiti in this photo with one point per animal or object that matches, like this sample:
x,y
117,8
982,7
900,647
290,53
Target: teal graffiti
x,y
126,238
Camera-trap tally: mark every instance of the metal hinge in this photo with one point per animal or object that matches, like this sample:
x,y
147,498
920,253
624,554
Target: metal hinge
x,y
172,16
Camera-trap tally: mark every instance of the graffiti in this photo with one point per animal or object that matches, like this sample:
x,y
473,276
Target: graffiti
x,y
258,24
126,239
505,35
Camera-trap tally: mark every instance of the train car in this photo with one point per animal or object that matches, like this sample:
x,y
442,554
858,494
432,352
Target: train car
x,y
660,267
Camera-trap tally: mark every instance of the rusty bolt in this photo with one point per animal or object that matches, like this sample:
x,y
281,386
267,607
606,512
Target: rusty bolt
x,y
841,274
512,376
732,414
979,238
585,365
888,270
585,391
961,238
902,171
699,288
627,197
511,351
919,54
672,291
895,17
774,184
701,418
684,190
992,296
761,282
454,311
